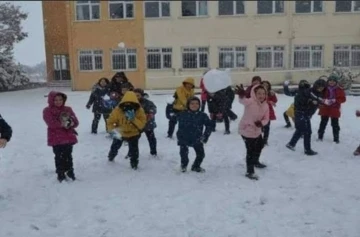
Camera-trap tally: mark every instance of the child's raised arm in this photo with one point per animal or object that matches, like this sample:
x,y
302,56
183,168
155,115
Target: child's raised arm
x,y
241,93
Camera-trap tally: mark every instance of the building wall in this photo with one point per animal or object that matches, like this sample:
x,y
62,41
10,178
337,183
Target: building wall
x,y
105,34
55,32
251,30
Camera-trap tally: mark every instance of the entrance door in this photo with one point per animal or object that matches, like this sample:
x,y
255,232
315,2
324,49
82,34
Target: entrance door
x,y
61,67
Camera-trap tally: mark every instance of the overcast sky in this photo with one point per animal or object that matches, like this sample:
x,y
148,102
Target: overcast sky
x,y
31,50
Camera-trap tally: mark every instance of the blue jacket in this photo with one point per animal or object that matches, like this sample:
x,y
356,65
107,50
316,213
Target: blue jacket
x,y
307,100
5,130
149,108
191,127
289,92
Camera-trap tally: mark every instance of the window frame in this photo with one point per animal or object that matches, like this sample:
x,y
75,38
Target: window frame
x,y
160,10
127,69
161,57
273,12
234,52
272,57
124,10
93,54
311,8
89,4
350,50
352,7
197,57
311,51
234,9
197,4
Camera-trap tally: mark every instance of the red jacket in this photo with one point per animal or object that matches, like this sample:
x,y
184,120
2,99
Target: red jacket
x,y
333,110
204,94
272,98
56,133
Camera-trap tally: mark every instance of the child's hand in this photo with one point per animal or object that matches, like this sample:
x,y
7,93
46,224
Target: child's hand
x,y
115,134
88,106
329,101
3,143
357,113
286,83
130,115
258,124
240,91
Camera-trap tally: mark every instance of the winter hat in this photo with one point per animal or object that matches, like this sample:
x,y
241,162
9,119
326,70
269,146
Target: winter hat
x,y
192,99
140,91
256,78
333,77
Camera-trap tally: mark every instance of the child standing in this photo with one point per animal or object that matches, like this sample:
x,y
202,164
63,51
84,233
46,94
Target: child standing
x,y
255,117
256,80
182,94
272,100
126,123
357,151
190,134
331,109
150,111
96,100
61,122
5,132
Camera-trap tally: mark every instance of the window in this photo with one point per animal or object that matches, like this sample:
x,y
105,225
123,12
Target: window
x,y
308,6
90,60
123,59
232,57
87,10
61,67
347,55
270,56
121,9
195,57
347,6
229,8
157,9
194,8
159,58
308,56
270,7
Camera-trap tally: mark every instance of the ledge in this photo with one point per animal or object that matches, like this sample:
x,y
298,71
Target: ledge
x,y
194,17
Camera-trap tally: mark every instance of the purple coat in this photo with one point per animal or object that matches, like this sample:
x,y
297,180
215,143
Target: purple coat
x,y
56,133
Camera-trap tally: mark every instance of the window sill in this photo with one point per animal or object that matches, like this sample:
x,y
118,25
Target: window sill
x,y
268,69
271,15
160,70
309,13
192,69
346,13
237,69
157,18
193,17
87,71
124,70
121,19
231,16
82,21
308,68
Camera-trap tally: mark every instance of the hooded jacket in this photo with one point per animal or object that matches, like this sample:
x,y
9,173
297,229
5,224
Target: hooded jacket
x,y
96,99
191,126
182,94
5,130
118,120
334,110
116,86
254,111
56,133
221,101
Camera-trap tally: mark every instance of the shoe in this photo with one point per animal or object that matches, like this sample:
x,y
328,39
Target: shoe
x,y
226,132
61,177
126,157
319,139
197,169
357,152
336,141
260,165
288,126
134,167
154,155
111,159
169,136
290,147
71,175
252,176
265,143
183,168
311,153
93,132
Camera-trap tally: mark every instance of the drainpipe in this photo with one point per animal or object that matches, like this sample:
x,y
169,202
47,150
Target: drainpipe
x,y
291,32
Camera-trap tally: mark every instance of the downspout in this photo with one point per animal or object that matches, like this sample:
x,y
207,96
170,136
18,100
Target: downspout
x,y
291,33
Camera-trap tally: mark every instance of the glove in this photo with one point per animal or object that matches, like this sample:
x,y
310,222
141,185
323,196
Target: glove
x,y
88,106
258,124
240,91
357,113
286,83
329,101
115,134
130,115
204,139
149,116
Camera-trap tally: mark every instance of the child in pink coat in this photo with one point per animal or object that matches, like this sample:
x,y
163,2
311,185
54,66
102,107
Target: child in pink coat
x,y
255,117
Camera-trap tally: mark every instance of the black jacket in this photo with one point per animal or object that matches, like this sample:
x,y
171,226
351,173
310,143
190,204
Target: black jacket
x,y
149,108
96,99
116,86
5,130
221,101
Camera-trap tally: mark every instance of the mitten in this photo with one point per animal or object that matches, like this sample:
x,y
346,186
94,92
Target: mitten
x,y
286,83
130,114
88,106
258,124
329,101
240,91
357,113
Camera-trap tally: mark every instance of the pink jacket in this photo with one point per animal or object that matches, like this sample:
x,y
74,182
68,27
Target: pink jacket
x,y
56,133
254,111
204,93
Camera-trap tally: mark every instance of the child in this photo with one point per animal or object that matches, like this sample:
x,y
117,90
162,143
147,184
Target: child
x,y
204,93
306,103
182,94
126,123
5,132
150,111
333,98
96,100
61,122
256,80
271,100
117,82
255,117
357,151
290,112
190,134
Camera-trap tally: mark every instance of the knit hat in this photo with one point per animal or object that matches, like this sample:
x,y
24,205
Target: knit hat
x,y
333,77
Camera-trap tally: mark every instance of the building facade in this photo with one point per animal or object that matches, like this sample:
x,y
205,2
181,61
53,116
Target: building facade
x,y
159,43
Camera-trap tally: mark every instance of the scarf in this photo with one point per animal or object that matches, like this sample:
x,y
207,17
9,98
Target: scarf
x,y
331,90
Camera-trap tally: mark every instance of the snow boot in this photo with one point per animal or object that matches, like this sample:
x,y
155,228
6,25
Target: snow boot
x,y
260,165
310,153
71,175
111,159
197,169
252,176
288,125
357,151
61,177
227,132
183,168
290,147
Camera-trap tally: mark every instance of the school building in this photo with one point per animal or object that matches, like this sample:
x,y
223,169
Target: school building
x,y
159,43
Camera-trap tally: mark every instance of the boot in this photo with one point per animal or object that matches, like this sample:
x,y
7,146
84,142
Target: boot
x,y
252,176
94,126
290,147
320,137
310,153
134,163
71,175
227,132
336,137
357,151
257,162
183,168
61,177
197,169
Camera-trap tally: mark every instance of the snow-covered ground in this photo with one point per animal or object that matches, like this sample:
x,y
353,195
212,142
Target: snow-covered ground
x,y
296,195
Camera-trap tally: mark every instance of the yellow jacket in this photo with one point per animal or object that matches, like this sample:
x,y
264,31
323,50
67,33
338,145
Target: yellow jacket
x,y
291,111
182,95
118,120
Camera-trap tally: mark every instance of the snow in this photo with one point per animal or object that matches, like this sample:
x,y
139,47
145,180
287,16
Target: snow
x,y
296,195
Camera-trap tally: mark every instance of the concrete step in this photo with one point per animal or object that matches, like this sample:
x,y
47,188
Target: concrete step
x,y
59,84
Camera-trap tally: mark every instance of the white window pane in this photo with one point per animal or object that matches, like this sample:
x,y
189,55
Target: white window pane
x,y
189,60
203,11
98,62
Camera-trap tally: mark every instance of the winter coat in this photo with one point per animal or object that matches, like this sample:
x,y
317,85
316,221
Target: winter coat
x,y
248,91
204,93
191,126
182,95
116,86
291,111
334,110
150,111
56,133
289,92
254,111
5,130
221,101
306,102
97,100
117,119
272,98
